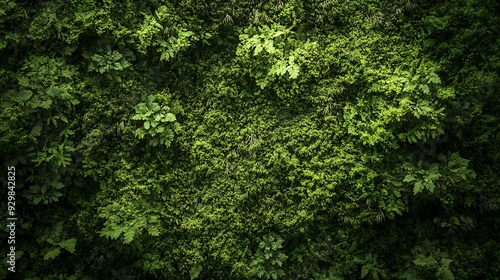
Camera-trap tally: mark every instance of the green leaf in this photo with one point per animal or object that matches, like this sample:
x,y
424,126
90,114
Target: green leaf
x,y
52,254
36,130
140,133
24,95
409,178
268,45
279,68
434,78
137,117
128,236
45,104
293,70
258,49
151,99
262,83
57,194
155,107
115,233
68,244
169,117
417,188
37,200
430,186
176,127
195,270
364,271
424,88
141,108
159,117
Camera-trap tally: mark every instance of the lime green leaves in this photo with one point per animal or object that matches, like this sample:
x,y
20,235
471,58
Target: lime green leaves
x,y
402,106
274,52
111,60
171,46
283,66
148,29
299,118
422,80
164,32
128,220
158,122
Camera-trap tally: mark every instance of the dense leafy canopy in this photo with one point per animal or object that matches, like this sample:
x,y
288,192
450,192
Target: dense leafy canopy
x,y
252,139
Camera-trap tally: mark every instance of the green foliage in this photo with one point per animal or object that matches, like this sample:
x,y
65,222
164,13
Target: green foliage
x,y
371,268
429,261
268,259
50,79
56,238
358,139
195,271
45,193
164,31
112,60
274,52
159,122
451,171
121,220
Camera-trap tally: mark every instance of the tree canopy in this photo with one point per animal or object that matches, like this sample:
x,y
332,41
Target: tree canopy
x,y
276,139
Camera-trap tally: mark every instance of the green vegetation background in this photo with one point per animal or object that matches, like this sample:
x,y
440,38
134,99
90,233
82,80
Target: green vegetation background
x,y
252,139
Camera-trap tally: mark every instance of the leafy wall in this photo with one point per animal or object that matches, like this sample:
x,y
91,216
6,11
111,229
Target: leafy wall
x,y
252,139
